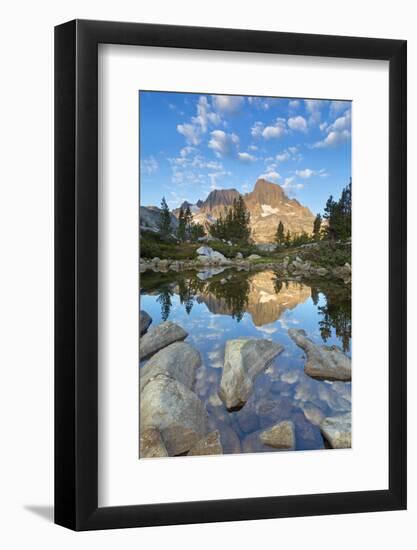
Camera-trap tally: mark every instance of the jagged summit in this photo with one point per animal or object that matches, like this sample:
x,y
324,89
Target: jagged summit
x,y
268,204
218,199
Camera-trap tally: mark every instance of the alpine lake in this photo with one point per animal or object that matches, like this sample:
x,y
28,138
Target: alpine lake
x,y
221,304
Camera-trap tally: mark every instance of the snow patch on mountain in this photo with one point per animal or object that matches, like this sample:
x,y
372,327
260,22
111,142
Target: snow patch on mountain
x,y
267,210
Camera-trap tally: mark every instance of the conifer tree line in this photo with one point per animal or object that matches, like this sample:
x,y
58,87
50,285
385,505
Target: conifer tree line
x,y
187,230
338,226
233,224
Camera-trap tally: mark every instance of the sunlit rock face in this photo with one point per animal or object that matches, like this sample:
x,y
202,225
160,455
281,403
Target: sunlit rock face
x,y
263,301
267,204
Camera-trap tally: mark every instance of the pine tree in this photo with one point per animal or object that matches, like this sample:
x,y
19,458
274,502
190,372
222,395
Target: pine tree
x,y
196,231
317,227
233,225
181,225
188,218
339,215
288,238
165,219
280,235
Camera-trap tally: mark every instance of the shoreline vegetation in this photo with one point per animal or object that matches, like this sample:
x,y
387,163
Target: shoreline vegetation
x,y
227,241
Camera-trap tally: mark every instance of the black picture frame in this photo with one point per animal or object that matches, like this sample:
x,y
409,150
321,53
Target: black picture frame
x,y
76,272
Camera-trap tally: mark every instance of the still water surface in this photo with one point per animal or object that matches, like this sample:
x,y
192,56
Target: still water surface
x,y
236,304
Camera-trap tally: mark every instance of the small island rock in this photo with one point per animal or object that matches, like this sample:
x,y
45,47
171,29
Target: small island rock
x,y
159,337
144,321
280,436
244,359
175,411
178,361
208,445
337,430
323,362
151,444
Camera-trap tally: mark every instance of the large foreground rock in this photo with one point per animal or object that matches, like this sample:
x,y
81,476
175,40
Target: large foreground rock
x,y
151,444
323,362
175,411
337,430
178,361
208,256
144,321
280,436
209,445
244,359
159,337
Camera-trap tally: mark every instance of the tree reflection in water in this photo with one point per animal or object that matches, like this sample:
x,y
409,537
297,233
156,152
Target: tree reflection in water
x,y
336,313
229,296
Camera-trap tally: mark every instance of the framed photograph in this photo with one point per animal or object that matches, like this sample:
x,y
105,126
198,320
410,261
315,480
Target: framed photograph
x,y
230,244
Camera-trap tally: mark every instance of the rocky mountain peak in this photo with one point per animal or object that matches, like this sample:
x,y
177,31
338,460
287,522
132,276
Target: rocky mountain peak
x,y
218,199
266,192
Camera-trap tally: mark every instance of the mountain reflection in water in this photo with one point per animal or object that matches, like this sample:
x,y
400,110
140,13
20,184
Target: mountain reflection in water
x,y
234,304
264,297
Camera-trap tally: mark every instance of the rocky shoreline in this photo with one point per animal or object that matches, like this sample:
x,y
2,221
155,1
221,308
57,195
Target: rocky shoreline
x,y
173,419
288,269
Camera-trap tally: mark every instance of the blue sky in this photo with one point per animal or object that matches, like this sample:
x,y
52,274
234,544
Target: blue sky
x,y
191,144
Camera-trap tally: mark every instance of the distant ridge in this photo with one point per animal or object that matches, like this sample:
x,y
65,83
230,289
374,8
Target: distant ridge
x,y
268,204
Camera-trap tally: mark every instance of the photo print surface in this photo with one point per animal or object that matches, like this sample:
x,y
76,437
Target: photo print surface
x,y
245,274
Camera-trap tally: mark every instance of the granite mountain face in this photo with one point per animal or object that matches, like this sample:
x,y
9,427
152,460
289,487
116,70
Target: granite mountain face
x,y
267,204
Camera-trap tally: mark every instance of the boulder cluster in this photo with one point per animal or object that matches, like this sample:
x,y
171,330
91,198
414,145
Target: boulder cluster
x,y
287,269
174,420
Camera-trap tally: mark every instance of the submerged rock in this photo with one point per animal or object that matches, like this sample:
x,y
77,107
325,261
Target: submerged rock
x,y
244,359
280,436
178,361
159,337
151,444
337,430
144,321
175,411
254,257
208,445
323,362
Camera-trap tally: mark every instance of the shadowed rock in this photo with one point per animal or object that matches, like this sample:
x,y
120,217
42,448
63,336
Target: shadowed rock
x,y
280,436
244,359
178,361
144,321
175,411
323,362
337,430
151,444
159,337
209,445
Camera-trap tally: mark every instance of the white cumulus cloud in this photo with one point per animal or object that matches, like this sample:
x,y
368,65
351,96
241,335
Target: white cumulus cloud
x,y
149,165
337,132
191,132
298,123
270,176
228,103
223,144
275,130
246,157
306,173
